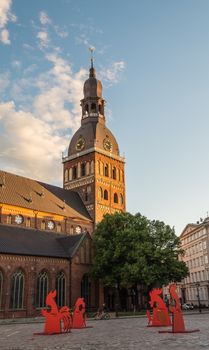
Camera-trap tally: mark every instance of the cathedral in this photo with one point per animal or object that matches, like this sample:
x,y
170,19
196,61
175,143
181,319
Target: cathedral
x,y
46,231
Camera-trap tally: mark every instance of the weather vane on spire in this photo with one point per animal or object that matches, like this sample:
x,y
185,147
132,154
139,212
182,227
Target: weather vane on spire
x,y
92,49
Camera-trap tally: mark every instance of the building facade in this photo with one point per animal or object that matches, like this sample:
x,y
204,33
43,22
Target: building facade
x,y
195,242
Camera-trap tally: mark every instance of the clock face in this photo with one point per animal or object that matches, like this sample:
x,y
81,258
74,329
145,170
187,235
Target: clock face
x,y
78,229
19,219
80,144
107,145
50,225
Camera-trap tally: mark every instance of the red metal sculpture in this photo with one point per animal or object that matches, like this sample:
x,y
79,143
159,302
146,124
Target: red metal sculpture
x,y
56,321
79,314
175,307
160,316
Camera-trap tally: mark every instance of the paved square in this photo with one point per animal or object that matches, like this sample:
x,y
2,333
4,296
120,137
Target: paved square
x,y
124,334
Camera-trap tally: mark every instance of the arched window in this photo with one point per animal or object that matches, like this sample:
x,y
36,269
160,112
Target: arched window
x,y
86,289
100,193
115,198
28,222
114,173
106,170
41,289
105,194
79,170
61,289
9,219
88,193
87,108
74,174
1,288
92,167
43,225
87,168
121,199
93,107
70,174
98,167
83,169
66,175
17,290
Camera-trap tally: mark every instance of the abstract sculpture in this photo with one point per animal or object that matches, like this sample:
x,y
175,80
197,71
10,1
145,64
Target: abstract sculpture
x,y
79,314
160,316
175,307
56,321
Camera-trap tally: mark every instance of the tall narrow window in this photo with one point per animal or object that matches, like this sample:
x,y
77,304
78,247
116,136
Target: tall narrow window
x,y
92,167
86,289
61,289
70,174
115,198
83,169
121,199
28,222
87,168
66,175
114,173
17,290
106,170
100,193
105,194
1,288
41,289
88,193
93,107
74,170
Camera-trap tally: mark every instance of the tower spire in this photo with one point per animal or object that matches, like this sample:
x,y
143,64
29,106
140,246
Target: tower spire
x,y
92,72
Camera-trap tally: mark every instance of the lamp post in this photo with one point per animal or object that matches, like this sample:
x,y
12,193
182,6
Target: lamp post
x,y
198,297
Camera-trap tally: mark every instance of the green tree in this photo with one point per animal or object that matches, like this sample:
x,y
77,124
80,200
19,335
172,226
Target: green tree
x,y
130,249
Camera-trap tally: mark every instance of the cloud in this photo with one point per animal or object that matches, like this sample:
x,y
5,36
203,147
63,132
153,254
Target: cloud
x,y
111,75
34,135
44,18
5,17
43,39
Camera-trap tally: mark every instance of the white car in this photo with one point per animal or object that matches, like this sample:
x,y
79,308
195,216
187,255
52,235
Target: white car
x,y
186,306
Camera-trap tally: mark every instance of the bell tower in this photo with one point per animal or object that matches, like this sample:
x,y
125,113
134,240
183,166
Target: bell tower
x,y
93,166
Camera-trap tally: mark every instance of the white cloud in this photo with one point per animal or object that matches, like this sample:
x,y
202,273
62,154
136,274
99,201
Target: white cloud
x,y
43,38
34,137
111,75
44,18
5,17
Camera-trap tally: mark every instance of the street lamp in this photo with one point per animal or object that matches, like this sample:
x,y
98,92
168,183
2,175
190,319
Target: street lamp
x,y
198,297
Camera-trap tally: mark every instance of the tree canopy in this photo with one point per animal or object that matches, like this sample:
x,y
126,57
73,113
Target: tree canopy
x,y
131,249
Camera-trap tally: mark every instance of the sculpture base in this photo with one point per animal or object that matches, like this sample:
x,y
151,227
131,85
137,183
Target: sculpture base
x,y
189,331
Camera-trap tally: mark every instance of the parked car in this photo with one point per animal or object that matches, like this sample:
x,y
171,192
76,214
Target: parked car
x,y
187,306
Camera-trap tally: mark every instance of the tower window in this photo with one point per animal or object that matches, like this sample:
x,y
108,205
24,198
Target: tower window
x,y
114,173
83,169
106,170
121,199
93,107
88,193
74,170
115,198
87,108
100,193
105,194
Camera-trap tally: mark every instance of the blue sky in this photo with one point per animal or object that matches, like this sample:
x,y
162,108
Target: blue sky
x,y
153,59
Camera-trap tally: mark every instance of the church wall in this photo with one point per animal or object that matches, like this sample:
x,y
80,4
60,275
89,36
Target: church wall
x,y
31,267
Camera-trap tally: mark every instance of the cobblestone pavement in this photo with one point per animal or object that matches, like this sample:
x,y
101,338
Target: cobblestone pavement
x,y
124,334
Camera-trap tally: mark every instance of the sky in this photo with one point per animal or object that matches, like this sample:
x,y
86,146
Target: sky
x,y
152,57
